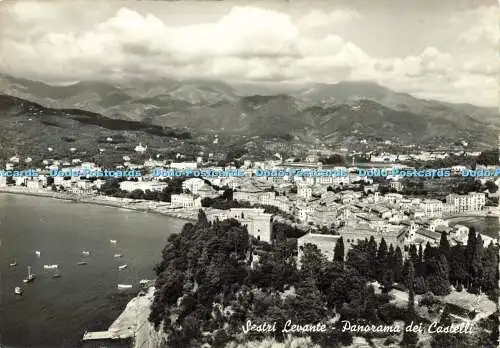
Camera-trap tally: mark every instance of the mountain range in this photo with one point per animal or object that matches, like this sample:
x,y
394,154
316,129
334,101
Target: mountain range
x,y
318,112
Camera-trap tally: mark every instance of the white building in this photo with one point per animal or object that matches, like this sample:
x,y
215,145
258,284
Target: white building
x,y
396,185
34,185
21,180
207,191
193,185
184,200
267,198
304,192
183,165
140,149
141,185
431,208
474,201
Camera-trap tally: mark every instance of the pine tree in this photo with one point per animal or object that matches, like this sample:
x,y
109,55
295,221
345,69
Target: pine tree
x,y
381,259
458,266
398,265
390,257
489,279
339,251
202,219
413,254
471,242
444,245
372,257
476,264
410,281
439,282
419,263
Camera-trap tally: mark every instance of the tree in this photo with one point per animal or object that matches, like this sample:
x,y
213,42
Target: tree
x,y
438,282
339,250
202,219
309,305
476,267
398,264
410,283
312,261
381,262
488,157
414,255
387,279
333,159
136,194
489,279
458,266
491,186
446,339
444,245
372,257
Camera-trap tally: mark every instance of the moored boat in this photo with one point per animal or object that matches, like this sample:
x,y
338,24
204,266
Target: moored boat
x,y
117,256
122,267
18,290
30,276
86,252
50,266
112,241
124,286
81,263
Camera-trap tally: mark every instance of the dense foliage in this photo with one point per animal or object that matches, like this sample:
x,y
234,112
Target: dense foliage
x,y
209,285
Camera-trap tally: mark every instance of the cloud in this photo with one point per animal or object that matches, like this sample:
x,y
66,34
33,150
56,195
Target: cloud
x,y
246,44
319,21
485,26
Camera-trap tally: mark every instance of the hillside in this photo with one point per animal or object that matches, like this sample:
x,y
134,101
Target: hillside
x,y
29,127
314,113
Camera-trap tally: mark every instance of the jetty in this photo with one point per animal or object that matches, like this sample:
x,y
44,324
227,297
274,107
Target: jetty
x,y
130,328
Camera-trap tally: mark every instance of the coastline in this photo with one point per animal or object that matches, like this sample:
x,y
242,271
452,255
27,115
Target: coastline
x,y
159,208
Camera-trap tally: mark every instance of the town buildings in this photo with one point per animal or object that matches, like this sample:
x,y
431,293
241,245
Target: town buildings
x,y
474,201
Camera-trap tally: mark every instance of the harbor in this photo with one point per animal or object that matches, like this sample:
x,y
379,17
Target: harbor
x,y
61,304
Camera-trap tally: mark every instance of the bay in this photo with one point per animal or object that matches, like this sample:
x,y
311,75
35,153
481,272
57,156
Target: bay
x,y
55,312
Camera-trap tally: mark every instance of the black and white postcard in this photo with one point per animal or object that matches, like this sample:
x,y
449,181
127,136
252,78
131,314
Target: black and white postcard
x,y
249,174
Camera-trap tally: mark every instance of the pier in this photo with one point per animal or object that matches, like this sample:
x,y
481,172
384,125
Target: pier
x,y
130,329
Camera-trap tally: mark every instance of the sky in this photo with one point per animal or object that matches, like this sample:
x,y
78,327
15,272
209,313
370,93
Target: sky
x,y
435,49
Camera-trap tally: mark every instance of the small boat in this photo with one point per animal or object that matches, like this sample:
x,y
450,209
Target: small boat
x,y
50,266
30,277
122,267
18,290
117,256
85,252
56,275
81,263
144,282
13,264
37,253
124,286
112,241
